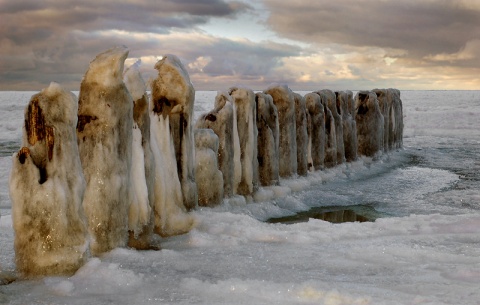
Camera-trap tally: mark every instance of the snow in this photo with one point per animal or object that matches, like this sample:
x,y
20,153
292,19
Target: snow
x,y
427,252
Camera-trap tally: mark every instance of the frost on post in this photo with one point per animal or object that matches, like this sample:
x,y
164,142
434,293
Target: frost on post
x,y
209,177
104,131
173,96
285,103
244,104
268,139
47,187
316,128
222,121
140,216
369,124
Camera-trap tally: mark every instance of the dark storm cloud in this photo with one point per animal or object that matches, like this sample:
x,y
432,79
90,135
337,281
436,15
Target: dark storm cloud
x,y
420,27
52,39
19,19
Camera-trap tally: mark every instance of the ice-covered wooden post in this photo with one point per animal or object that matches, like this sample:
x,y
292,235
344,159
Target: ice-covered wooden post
x,y
369,124
222,121
350,103
244,103
336,110
104,131
316,136
173,95
140,217
349,127
302,134
209,178
330,134
170,116
385,105
268,139
285,103
397,125
47,187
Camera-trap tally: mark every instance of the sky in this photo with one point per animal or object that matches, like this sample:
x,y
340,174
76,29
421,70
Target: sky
x,y
308,45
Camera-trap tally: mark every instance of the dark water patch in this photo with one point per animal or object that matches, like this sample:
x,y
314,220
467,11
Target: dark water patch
x,y
415,160
334,214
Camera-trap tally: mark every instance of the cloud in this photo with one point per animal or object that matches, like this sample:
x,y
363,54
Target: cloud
x,y
421,27
379,39
53,16
344,44
470,51
55,40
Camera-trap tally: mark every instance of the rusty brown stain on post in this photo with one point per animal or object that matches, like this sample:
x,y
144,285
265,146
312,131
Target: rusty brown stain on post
x,y
34,123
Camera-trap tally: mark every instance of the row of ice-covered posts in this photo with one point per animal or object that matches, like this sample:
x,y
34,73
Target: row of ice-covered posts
x,y
117,165
282,134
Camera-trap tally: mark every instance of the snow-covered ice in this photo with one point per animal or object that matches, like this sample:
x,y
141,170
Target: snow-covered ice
x,y
427,251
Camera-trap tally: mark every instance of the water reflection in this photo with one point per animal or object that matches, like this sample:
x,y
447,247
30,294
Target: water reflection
x,y
334,214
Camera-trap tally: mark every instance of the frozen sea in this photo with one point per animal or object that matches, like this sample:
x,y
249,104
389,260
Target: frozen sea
x,y
425,249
